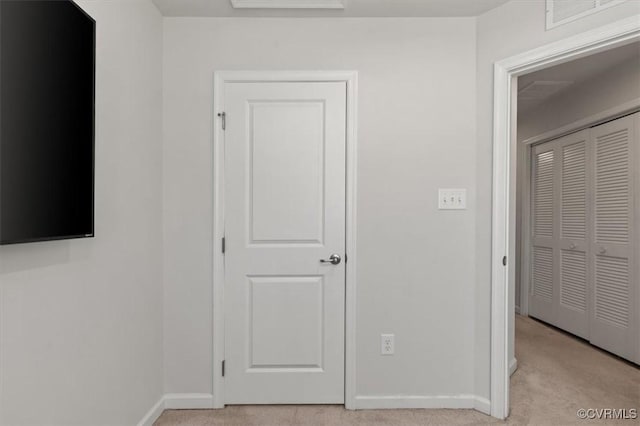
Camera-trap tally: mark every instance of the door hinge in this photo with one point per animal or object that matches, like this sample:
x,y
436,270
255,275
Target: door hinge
x,y
345,258
224,244
504,260
222,368
223,117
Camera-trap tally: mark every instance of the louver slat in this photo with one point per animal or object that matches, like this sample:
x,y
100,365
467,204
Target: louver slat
x,y
543,272
543,194
612,188
612,290
573,285
574,191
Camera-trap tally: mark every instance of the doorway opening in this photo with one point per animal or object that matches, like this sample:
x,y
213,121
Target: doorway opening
x,y
567,272
576,279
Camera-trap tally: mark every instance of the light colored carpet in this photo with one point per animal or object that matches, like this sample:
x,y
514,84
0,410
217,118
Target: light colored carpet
x,y
557,375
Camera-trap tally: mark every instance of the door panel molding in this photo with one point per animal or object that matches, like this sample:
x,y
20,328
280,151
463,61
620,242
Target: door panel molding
x,y
220,79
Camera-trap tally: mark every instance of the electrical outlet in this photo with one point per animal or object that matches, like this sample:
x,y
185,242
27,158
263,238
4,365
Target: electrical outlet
x,y
452,199
387,345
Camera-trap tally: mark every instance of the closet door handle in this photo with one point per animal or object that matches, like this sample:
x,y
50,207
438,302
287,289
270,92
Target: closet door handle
x,y
602,250
572,246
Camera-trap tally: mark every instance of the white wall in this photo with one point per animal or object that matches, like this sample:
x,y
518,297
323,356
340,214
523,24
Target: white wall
x,y
510,29
416,267
81,320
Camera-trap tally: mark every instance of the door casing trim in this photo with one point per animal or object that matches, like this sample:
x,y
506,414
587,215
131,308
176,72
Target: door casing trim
x,y
218,338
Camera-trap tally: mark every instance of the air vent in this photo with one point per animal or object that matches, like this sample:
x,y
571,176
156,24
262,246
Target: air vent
x,y
536,92
562,11
287,4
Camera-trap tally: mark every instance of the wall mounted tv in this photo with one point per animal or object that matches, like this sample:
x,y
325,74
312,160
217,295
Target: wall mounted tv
x,y
47,69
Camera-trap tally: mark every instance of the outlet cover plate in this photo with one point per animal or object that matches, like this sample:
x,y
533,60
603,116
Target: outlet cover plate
x,y
387,344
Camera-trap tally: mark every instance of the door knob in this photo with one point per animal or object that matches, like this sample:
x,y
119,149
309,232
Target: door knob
x,y
572,246
602,250
334,259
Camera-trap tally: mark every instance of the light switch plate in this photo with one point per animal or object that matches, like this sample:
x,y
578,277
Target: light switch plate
x,y
452,199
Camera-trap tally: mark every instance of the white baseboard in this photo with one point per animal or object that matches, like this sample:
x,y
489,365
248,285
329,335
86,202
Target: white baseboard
x,y
517,309
177,401
482,404
187,401
419,401
153,414
513,366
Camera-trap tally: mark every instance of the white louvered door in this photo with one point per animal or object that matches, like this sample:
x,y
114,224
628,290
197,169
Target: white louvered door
x,y
613,262
559,254
544,241
572,217
584,214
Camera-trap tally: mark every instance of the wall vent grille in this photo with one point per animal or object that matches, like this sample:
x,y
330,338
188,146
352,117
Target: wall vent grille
x,y
287,4
560,12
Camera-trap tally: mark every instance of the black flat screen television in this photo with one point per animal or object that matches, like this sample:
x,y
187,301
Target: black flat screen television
x,y
47,92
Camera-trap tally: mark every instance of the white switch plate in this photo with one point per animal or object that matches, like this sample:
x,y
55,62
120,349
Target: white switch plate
x,y
387,345
452,199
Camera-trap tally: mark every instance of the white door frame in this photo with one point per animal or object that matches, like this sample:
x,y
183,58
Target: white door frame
x,y
351,80
503,233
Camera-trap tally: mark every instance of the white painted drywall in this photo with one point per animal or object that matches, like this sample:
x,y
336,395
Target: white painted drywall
x,y
416,127
513,28
81,320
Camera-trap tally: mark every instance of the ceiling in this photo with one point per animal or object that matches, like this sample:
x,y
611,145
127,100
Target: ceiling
x,y
574,72
353,9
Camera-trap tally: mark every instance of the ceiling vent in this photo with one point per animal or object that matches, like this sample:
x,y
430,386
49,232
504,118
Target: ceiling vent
x,y
562,11
536,92
287,4
542,89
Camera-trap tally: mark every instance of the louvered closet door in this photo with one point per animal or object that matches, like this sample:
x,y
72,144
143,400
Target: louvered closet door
x,y
544,244
558,291
572,217
613,262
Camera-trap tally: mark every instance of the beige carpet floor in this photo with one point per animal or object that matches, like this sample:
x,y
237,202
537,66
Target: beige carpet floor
x,y
557,375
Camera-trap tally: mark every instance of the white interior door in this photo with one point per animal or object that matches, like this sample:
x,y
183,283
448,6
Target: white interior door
x,y
615,283
284,212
